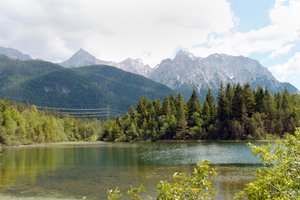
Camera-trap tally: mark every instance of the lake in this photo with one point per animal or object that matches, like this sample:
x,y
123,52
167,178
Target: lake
x,y
73,171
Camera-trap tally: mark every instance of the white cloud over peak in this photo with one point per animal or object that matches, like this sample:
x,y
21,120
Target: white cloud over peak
x,y
289,71
275,39
150,29
110,29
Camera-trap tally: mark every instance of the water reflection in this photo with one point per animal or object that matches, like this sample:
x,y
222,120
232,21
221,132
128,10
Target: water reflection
x,y
73,171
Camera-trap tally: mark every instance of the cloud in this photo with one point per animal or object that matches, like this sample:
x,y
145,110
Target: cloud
x,y
288,72
276,39
110,29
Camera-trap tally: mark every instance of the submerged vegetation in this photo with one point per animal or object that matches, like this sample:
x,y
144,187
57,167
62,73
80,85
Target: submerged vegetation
x,y
238,113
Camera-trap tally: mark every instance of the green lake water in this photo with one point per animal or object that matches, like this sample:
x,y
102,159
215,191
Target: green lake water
x,y
69,171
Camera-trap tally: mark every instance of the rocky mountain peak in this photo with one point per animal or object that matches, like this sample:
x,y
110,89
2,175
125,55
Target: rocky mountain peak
x,y
136,66
84,55
132,60
187,72
84,58
14,54
182,54
82,52
81,58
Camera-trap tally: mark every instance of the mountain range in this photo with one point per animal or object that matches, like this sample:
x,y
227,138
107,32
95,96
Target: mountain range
x,y
48,84
184,73
83,58
187,72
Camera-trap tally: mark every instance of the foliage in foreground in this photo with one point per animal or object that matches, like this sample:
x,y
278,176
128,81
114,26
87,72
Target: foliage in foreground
x,y
183,186
280,177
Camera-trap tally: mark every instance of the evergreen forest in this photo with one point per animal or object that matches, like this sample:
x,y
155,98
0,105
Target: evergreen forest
x,y
238,113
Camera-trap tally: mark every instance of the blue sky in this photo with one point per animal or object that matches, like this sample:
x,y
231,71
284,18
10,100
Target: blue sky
x,y
258,21
252,14
252,17
266,30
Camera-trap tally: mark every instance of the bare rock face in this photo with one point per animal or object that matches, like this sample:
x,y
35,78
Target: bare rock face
x,y
83,58
135,66
187,72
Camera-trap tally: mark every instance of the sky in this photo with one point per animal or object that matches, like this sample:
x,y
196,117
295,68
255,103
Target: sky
x,y
266,30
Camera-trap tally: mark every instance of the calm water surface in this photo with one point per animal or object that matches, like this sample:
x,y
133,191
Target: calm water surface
x,y
73,171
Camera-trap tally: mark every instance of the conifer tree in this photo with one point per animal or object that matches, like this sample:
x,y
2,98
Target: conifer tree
x,y
260,100
238,106
229,92
180,108
157,107
223,105
249,100
193,106
209,109
166,107
286,100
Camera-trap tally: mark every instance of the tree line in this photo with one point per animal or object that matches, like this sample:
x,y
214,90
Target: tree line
x,y
238,112
20,124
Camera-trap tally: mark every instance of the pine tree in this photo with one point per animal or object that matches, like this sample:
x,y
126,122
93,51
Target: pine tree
x,y
278,100
223,115
223,105
249,99
157,107
142,109
172,102
286,102
166,107
270,109
238,106
229,92
193,106
260,100
180,108
209,109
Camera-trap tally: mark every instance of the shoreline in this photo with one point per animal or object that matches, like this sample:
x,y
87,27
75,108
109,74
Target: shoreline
x,y
11,197
54,144
133,142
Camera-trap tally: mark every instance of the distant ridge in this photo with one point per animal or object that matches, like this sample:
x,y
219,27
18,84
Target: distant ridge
x,y
83,58
48,84
185,72
14,54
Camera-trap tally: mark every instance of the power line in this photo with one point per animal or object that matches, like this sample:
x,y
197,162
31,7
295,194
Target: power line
x,y
97,112
83,113
70,109
104,113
